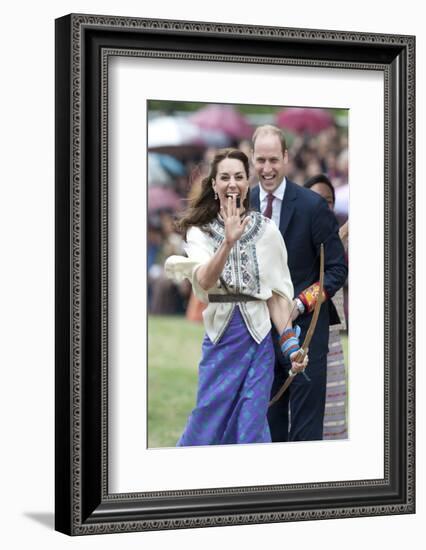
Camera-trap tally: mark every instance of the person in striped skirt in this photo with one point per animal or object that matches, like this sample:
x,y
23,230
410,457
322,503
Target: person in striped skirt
x,y
335,417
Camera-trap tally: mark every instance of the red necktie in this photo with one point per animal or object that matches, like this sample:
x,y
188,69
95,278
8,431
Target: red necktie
x,y
268,210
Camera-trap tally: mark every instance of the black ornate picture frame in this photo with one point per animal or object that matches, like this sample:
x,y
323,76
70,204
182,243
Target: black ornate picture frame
x,y
84,43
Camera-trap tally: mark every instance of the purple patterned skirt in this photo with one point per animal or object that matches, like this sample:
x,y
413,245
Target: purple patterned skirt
x,y
234,385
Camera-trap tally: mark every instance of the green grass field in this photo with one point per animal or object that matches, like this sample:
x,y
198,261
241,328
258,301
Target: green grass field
x,y
174,350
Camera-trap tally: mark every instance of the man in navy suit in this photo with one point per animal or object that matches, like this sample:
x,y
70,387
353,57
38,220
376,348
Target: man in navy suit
x,y
305,221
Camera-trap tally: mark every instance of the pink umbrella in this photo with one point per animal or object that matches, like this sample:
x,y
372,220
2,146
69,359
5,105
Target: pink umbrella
x,y
224,118
301,120
163,198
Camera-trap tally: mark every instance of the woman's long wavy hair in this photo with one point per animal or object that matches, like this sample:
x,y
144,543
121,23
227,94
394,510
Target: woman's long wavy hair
x,y
203,208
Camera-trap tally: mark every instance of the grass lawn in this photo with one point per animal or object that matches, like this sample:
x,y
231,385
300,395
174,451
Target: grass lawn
x,y
174,350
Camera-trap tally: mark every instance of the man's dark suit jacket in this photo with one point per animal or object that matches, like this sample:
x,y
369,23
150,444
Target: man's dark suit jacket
x,y
305,223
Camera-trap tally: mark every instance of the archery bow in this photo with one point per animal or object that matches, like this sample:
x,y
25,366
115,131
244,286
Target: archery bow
x,y
305,346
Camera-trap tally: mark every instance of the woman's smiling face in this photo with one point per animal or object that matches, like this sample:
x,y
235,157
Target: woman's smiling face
x,y
231,181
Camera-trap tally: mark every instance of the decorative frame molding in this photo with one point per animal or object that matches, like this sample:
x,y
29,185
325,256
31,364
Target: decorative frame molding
x,y
84,43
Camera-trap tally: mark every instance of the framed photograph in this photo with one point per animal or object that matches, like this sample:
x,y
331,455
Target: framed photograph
x,y
183,139
133,140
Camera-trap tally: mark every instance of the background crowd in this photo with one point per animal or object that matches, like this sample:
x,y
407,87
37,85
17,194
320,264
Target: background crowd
x,y
182,140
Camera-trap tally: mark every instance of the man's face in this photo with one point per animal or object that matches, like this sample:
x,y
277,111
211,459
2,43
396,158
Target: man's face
x,y
324,190
269,161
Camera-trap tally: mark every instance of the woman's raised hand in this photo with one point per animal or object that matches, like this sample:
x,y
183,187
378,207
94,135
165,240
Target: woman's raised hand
x,y
234,225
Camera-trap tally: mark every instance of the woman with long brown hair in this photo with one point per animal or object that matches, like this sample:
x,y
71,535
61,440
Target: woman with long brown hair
x,y
237,264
